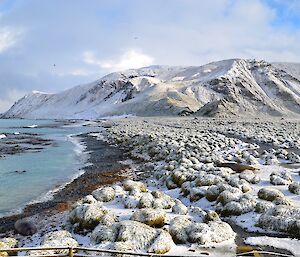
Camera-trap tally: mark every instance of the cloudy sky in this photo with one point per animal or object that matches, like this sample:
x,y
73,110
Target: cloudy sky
x,y
51,45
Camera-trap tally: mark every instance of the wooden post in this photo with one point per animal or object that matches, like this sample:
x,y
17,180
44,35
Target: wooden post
x,y
70,252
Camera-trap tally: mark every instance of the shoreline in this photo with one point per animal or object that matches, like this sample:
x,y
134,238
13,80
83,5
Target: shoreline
x,y
103,169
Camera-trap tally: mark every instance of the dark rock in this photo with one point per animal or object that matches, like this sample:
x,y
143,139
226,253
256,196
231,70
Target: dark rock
x,y
25,227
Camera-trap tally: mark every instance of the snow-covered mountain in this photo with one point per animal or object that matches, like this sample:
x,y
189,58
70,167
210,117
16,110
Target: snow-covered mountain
x,y
230,87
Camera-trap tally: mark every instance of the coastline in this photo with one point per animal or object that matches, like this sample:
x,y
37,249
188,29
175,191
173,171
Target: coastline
x,y
101,167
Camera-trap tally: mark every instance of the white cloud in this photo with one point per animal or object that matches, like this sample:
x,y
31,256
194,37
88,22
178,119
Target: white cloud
x,y
131,59
7,100
7,38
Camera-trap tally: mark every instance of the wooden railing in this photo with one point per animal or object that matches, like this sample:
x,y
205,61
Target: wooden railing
x,y
86,252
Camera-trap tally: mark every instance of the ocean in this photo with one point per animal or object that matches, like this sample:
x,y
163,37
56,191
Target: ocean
x,y
46,169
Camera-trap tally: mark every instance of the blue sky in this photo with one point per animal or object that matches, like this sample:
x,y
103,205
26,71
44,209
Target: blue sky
x,y
88,39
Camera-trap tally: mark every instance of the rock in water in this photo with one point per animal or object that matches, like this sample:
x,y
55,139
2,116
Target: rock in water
x,y
25,227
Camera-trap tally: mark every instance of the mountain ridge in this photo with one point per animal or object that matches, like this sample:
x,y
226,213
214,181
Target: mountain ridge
x,y
223,88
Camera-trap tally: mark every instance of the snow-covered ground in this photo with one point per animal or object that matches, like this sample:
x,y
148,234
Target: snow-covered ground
x,y
194,177
289,244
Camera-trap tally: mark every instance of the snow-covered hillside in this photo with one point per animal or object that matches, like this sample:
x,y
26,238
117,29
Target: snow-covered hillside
x,y
230,87
289,67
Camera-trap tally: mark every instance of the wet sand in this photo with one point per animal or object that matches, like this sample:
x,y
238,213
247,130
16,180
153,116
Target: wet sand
x,y
105,169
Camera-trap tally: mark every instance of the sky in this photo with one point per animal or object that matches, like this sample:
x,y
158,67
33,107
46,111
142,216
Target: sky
x,y
52,45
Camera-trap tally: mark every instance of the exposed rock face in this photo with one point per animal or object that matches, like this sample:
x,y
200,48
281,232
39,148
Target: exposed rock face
x,y
224,88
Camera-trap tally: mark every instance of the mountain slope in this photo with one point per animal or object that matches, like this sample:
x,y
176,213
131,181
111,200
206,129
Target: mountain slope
x,y
230,87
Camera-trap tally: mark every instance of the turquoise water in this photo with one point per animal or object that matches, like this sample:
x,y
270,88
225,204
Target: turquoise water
x,y
46,170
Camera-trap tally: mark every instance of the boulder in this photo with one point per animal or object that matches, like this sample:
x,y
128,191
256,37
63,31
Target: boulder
x,y
227,196
25,227
208,180
162,200
196,193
